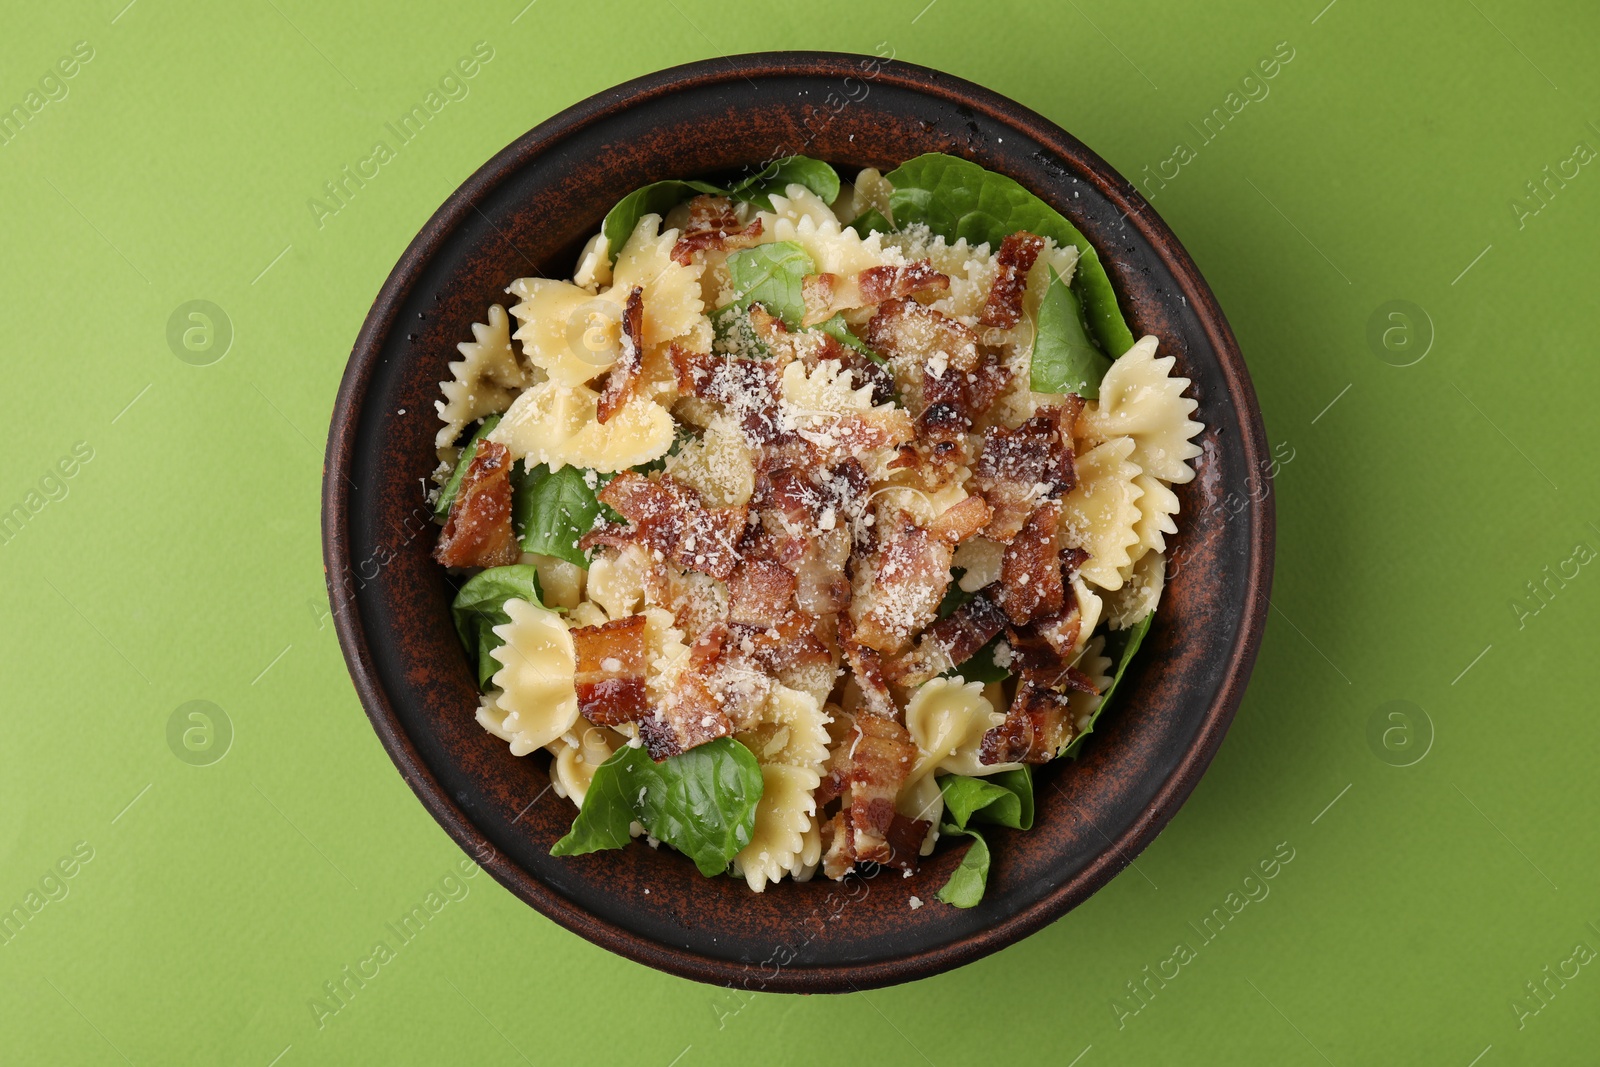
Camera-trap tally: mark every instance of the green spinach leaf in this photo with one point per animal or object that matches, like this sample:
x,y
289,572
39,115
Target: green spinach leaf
x,y
1005,799
814,174
839,330
1135,639
1064,359
480,606
870,220
552,510
956,198
968,881
447,495
657,198
772,275
701,802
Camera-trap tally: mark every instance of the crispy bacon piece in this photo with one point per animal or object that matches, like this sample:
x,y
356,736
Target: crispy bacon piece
x,y
694,712
961,520
1019,467
949,642
624,373
1030,570
1017,253
713,224
760,593
826,295
867,666
897,588
1037,661
904,839
669,518
611,667
905,330
881,757
1038,725
746,388
478,531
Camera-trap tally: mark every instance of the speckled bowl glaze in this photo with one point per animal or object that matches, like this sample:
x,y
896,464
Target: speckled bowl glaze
x,y
527,212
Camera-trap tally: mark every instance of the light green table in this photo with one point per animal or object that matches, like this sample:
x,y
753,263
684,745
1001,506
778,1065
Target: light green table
x,y
209,902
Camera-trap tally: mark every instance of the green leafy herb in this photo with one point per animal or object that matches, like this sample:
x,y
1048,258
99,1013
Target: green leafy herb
x,y
1064,359
968,881
839,330
955,198
814,174
1135,639
1005,799
551,511
870,220
954,595
447,495
657,198
701,802
772,275
480,606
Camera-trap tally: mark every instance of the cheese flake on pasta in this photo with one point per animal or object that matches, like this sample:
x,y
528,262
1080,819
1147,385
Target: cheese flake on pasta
x,y
576,755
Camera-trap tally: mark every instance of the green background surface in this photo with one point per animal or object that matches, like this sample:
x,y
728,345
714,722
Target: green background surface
x,y
183,560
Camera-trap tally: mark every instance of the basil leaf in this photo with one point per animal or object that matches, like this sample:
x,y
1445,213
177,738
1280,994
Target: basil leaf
x,y
447,495
552,510
1135,639
871,220
968,881
814,174
701,802
772,275
1064,359
1005,799
954,595
480,606
956,198
658,198
607,810
839,330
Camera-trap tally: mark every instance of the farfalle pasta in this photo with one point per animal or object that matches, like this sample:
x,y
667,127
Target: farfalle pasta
x,y
808,519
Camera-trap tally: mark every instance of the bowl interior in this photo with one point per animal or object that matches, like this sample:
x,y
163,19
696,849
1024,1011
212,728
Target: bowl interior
x,y
527,212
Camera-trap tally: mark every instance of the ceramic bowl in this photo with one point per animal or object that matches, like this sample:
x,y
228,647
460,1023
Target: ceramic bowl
x,y
527,212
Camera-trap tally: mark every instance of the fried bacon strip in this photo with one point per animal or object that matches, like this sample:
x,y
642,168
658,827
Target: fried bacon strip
x,y
624,373
760,593
612,661
668,517
1017,254
866,664
1019,467
897,588
1031,585
881,755
904,838
694,712
478,531
746,388
826,295
1038,725
713,225
961,520
950,642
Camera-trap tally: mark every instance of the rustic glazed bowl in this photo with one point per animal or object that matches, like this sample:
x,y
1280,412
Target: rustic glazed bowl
x,y
527,212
